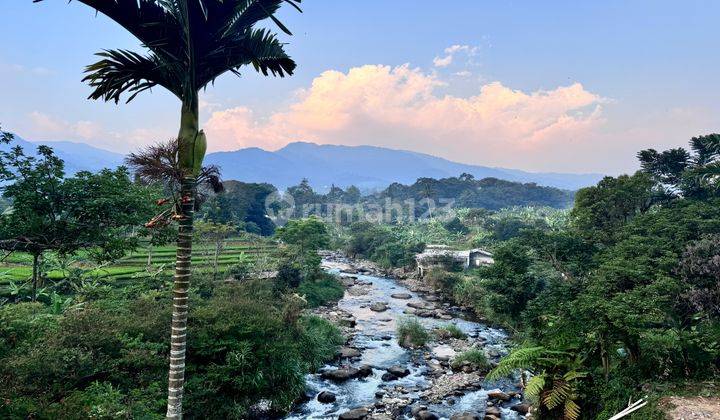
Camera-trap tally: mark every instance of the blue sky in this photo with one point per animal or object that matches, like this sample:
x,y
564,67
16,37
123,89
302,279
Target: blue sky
x,y
555,85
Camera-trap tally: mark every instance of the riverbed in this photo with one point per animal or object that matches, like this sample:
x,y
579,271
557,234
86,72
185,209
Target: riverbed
x,y
425,387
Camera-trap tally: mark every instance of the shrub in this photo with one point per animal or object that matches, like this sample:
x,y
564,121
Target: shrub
x,y
449,331
321,291
108,358
442,280
412,334
474,357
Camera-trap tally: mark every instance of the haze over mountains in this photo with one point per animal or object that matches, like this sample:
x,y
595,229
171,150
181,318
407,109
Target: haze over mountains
x,y
368,167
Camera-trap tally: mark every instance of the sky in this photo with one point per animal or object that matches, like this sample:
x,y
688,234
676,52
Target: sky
x,y
562,86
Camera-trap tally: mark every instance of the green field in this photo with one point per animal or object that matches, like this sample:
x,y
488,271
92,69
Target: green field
x,y
17,267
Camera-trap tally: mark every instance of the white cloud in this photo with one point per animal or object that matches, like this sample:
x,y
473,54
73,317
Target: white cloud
x,y
450,53
443,61
399,107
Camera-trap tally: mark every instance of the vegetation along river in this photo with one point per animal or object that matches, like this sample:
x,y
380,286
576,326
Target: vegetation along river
x,y
376,378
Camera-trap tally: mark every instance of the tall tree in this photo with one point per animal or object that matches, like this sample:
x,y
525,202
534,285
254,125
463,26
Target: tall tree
x,y
189,43
52,213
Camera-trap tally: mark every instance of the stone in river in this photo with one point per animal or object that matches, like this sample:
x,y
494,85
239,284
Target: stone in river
x,y
378,307
401,296
498,395
387,377
364,371
426,415
348,352
356,414
340,375
521,408
464,416
326,397
399,371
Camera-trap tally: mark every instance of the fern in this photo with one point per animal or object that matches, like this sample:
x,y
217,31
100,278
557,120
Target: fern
x,y
534,387
557,395
522,358
572,410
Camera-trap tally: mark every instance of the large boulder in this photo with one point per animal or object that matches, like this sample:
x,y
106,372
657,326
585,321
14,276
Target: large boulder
x,y
356,414
364,371
403,296
522,408
348,352
399,371
379,307
340,375
426,415
326,397
498,395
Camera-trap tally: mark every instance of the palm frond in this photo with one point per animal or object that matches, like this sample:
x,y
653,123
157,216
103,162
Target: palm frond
x,y
122,71
151,21
260,48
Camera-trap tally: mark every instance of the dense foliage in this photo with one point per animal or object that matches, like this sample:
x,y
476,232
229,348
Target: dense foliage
x,y
105,356
623,295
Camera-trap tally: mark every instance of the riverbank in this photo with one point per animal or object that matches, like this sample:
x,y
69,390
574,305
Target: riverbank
x,y
375,377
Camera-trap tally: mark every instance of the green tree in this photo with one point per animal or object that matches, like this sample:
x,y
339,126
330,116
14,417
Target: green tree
x,y
600,211
190,43
50,212
308,235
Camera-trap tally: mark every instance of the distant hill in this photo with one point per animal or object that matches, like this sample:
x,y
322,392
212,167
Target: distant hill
x,y
368,167
77,156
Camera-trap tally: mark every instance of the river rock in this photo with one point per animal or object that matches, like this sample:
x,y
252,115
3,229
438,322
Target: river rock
x,y
358,290
326,397
403,296
416,409
387,377
340,375
350,271
348,352
522,408
493,411
496,394
421,305
426,415
356,414
378,307
464,416
399,371
364,371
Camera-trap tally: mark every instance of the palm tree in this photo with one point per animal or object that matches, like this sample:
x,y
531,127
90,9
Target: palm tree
x,y
189,43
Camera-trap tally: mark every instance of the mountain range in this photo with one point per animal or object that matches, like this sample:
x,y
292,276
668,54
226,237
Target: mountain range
x,y
368,167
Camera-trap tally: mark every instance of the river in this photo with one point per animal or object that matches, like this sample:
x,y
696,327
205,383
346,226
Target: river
x,y
431,390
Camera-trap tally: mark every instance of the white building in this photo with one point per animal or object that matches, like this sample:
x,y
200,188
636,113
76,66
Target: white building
x,y
442,256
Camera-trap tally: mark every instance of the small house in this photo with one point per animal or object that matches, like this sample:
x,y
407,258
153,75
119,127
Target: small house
x,y
443,256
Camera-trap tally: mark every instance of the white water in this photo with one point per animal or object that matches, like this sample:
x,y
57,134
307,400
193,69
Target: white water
x,y
376,339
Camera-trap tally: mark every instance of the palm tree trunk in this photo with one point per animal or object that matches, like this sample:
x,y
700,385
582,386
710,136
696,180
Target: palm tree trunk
x,y
181,284
190,155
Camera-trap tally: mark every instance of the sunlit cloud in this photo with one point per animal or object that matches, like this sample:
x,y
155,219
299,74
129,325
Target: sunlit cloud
x,y
400,107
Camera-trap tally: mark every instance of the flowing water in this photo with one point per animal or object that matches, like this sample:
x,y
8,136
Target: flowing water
x,y
375,337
